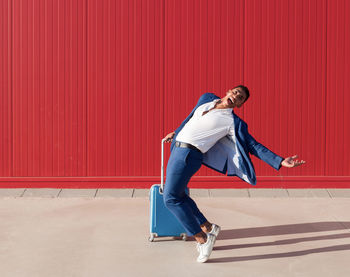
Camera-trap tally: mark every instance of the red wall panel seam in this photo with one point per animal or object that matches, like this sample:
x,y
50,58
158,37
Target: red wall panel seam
x,y
11,91
86,84
163,66
325,166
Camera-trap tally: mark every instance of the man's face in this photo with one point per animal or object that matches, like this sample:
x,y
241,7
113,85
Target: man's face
x,y
234,98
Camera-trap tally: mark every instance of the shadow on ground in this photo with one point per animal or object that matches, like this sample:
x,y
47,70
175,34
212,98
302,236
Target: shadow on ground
x,y
283,230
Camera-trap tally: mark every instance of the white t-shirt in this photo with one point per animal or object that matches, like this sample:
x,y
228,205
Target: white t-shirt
x,y
203,131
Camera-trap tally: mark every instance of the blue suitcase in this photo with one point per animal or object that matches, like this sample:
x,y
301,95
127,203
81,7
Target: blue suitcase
x,y
162,222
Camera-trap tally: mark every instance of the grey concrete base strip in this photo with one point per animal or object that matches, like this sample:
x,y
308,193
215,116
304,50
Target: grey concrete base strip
x,y
195,193
114,193
268,193
77,193
11,192
50,193
228,193
141,193
336,193
319,193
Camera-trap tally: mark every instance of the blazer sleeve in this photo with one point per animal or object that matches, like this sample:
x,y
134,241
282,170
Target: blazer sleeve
x,y
262,152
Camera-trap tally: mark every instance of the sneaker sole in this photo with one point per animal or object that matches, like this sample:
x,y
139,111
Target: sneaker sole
x,y
203,260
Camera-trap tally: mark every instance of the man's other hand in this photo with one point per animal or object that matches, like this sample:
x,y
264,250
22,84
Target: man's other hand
x,y
291,162
169,137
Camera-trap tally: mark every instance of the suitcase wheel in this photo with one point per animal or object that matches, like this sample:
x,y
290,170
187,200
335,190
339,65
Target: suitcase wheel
x,y
152,236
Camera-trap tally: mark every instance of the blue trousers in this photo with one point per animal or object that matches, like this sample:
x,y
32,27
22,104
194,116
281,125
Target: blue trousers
x,y
182,165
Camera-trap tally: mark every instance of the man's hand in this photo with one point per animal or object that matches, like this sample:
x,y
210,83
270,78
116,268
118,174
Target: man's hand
x,y
169,137
290,162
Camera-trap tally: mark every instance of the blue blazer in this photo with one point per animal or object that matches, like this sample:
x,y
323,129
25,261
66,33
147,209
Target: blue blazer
x,y
232,156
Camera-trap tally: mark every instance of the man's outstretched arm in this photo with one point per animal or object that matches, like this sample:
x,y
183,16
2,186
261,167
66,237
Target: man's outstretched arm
x,y
263,153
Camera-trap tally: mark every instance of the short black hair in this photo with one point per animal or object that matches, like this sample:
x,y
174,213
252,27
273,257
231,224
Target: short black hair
x,y
245,89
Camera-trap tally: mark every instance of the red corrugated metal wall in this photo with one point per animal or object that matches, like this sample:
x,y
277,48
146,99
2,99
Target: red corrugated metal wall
x,y
89,87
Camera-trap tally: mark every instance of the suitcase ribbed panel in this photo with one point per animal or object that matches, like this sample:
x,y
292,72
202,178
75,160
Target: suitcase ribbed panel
x,y
162,222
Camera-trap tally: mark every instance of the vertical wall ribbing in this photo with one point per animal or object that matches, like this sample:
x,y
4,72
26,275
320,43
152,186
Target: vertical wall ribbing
x,y
102,112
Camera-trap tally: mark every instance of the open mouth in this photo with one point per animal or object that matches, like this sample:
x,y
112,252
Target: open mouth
x,y
229,100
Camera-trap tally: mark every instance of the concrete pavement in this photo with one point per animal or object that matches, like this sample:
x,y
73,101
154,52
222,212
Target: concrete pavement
x,y
107,236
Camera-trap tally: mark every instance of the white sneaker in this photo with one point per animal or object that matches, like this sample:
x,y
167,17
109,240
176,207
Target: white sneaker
x,y
205,249
215,230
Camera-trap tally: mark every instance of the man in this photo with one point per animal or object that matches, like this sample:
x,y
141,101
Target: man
x,y
216,137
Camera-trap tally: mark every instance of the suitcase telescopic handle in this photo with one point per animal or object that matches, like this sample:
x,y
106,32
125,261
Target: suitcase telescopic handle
x,y
162,167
